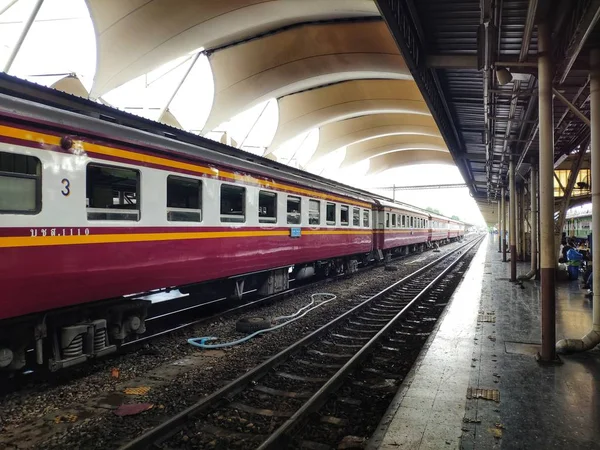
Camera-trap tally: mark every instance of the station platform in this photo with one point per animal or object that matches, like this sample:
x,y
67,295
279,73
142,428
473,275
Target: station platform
x,y
477,384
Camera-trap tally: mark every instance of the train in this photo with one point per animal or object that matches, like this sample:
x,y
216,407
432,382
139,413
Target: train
x,y
578,223
99,207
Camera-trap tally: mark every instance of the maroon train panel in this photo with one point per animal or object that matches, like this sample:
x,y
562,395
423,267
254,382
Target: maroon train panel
x,y
47,277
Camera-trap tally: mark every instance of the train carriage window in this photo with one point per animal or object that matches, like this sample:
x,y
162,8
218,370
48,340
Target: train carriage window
x,y
393,220
387,220
314,212
345,214
293,210
366,218
403,221
355,217
112,193
20,184
412,222
233,203
330,214
184,199
267,207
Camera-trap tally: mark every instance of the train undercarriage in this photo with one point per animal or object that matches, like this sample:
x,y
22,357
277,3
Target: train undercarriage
x,y
70,336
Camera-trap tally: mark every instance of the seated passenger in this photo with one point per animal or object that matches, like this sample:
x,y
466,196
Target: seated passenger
x,y
574,259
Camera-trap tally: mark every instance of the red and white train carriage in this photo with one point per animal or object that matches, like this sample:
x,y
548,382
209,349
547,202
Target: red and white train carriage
x,y
92,211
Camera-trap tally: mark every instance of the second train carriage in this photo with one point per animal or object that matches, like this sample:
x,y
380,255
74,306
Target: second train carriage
x,y
94,211
578,223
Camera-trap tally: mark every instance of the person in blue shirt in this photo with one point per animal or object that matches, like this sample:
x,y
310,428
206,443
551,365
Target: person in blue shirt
x,y
574,259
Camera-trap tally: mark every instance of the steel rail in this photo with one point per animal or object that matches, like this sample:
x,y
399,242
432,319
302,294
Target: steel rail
x,y
280,435
171,426
244,306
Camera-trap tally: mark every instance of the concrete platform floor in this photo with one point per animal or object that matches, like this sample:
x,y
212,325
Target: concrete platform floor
x,y
486,340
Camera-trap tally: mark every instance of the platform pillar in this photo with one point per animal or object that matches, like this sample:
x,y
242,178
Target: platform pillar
x,y
499,226
512,231
534,219
503,224
546,163
592,338
595,175
520,223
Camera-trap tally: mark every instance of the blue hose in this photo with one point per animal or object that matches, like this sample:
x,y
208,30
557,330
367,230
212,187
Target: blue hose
x,y
201,342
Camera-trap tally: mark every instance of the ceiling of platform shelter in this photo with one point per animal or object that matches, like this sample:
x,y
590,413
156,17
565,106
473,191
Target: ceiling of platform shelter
x,y
311,83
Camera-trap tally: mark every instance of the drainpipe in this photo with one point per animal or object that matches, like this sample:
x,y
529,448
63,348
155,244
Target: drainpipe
x,y
546,156
503,224
512,211
534,232
592,338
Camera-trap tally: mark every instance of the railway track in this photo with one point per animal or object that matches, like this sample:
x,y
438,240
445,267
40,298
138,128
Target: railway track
x,y
164,319
267,406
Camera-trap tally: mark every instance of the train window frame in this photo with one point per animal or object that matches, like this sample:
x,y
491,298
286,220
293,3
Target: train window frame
x,y
328,209
227,217
311,219
394,221
412,222
186,210
365,218
267,218
356,217
403,220
37,178
296,217
344,209
113,214
387,220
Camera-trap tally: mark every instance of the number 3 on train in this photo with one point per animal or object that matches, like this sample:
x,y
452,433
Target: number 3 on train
x,y
67,187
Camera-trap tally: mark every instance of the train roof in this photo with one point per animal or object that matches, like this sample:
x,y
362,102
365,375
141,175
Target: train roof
x,y
43,104
416,210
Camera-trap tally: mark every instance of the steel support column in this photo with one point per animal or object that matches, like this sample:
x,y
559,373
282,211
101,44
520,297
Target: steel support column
x,y
595,175
546,163
522,251
15,50
512,231
592,338
503,224
499,226
534,220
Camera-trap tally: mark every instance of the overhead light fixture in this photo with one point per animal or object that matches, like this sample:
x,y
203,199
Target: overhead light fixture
x,y
503,76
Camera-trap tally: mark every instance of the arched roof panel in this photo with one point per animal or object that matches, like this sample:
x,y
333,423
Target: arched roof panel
x,y
71,85
310,109
316,54
406,158
135,36
388,144
362,128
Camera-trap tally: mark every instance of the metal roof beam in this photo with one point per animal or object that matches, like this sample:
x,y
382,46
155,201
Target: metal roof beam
x,y
584,28
528,31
